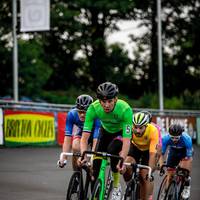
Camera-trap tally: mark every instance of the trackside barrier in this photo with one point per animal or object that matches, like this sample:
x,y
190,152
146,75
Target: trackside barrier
x,y
198,130
30,123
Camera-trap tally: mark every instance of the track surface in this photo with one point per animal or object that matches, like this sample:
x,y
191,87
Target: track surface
x,y
31,173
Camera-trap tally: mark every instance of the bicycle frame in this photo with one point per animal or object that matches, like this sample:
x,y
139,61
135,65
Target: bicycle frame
x,y
134,184
102,177
102,173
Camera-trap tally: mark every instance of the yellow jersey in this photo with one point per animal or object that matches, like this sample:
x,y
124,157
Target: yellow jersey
x,y
148,141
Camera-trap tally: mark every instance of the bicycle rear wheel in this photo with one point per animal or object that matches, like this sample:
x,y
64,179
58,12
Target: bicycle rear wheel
x,y
97,190
172,193
74,191
162,189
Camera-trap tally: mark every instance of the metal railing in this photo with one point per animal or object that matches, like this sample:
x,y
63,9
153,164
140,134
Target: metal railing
x,y
19,105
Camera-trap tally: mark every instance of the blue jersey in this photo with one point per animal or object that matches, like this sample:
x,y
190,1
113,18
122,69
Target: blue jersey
x,y
185,142
73,119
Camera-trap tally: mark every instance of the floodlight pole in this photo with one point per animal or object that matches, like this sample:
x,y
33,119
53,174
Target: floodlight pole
x,y
15,52
160,61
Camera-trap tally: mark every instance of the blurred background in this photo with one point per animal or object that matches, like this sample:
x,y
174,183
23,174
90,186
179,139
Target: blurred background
x,y
90,42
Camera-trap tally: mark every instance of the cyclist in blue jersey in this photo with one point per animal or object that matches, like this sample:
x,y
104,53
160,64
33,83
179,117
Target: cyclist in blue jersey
x,y
180,153
74,125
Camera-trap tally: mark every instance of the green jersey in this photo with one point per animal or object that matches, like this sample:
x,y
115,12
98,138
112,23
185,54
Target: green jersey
x,y
120,119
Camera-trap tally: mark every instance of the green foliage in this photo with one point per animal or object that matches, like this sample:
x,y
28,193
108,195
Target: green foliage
x,y
174,103
64,97
75,54
191,101
33,71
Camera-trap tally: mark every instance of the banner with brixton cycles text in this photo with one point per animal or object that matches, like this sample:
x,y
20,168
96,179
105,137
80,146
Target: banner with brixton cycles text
x,y
29,128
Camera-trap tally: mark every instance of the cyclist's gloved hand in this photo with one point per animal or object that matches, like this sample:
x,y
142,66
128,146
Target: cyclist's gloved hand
x,y
151,178
121,168
81,161
61,163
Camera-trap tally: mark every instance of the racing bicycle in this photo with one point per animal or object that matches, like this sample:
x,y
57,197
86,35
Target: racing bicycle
x,y
104,182
133,187
173,190
78,187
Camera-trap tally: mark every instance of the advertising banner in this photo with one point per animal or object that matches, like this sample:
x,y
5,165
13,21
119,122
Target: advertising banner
x,y
189,124
61,122
61,125
1,126
198,130
28,128
35,15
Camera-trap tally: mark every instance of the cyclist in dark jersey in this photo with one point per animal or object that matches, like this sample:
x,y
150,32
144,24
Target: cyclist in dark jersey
x,y
116,120
74,126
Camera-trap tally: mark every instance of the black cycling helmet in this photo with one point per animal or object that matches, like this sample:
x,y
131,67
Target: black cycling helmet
x,y
175,129
148,114
83,101
107,90
140,119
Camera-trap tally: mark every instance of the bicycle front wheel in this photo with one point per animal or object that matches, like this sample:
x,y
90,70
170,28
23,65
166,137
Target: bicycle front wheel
x,y
132,191
96,193
172,193
109,185
162,189
74,191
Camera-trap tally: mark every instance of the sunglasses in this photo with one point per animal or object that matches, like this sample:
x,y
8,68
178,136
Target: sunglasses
x,y
138,127
175,137
80,112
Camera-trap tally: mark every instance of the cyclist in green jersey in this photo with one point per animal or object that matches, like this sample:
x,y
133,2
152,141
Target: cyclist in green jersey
x,y
115,116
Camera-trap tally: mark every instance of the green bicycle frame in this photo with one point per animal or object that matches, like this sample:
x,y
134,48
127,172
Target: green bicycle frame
x,y
101,177
102,172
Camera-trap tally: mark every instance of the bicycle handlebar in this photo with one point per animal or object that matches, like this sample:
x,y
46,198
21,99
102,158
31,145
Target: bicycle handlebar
x,y
135,166
179,170
104,154
69,154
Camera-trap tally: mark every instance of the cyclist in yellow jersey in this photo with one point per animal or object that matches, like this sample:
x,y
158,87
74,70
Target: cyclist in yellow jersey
x,y
143,148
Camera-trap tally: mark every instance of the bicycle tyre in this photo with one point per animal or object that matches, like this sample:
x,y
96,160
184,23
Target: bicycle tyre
x,y
137,191
172,193
87,190
96,190
131,191
109,185
74,190
180,190
162,190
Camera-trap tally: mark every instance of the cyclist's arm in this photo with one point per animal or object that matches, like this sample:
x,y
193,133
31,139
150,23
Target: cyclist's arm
x,y
87,129
94,144
127,132
154,141
125,147
68,133
67,144
152,161
165,140
84,141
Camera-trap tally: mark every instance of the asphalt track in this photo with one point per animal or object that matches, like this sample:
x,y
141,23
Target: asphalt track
x,y
29,173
